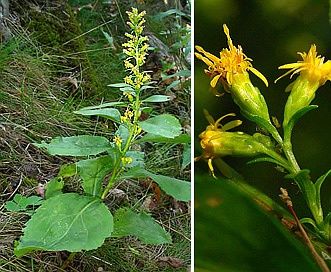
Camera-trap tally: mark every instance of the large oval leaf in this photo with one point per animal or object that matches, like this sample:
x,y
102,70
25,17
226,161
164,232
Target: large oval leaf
x,y
141,225
67,222
83,145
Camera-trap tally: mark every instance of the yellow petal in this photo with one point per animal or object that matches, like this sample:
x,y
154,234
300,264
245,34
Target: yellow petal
x,y
214,81
259,75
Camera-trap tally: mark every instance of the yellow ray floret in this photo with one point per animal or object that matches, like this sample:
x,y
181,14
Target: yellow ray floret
x,y
311,66
232,61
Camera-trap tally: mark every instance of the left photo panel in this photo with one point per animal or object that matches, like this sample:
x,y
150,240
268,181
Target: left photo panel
x,y
95,135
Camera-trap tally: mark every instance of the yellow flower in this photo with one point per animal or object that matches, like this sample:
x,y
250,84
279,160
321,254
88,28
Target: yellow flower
x,y
118,141
312,67
210,138
313,73
231,62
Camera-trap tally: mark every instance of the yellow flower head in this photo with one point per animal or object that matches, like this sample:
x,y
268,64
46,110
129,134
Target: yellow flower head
x,y
118,141
312,67
210,138
232,61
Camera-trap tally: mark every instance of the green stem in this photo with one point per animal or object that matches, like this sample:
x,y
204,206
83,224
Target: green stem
x,y
303,180
288,151
118,168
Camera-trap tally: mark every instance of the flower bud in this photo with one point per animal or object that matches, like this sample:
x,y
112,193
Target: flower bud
x,y
216,142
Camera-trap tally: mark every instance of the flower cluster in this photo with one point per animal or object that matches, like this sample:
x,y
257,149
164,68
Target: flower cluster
x,y
136,49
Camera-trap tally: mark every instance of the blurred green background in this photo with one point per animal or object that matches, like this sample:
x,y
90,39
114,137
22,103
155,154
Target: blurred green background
x,y
271,32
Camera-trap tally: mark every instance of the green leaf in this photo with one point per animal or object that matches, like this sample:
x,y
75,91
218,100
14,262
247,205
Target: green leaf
x,y
54,187
267,159
179,189
164,125
320,181
67,170
123,132
137,158
109,113
142,225
21,203
170,12
109,38
186,156
119,85
184,73
93,171
173,85
67,222
105,105
149,137
83,145
157,98
298,115
235,234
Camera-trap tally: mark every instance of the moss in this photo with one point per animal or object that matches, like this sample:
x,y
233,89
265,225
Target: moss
x,y
58,32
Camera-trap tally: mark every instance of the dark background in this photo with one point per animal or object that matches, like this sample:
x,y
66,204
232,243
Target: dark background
x,y
271,33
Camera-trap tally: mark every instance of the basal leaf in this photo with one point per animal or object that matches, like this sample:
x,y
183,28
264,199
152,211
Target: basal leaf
x,y
83,145
67,170
142,225
54,187
109,113
67,222
93,171
164,125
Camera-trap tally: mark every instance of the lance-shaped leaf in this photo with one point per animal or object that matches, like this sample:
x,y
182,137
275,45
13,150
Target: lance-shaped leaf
x,y
83,145
164,125
157,98
109,113
179,189
67,222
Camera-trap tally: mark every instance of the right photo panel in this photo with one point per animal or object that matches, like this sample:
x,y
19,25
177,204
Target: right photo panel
x,y
262,129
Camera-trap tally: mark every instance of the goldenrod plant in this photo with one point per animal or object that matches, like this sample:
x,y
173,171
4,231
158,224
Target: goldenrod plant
x,y
79,221
231,69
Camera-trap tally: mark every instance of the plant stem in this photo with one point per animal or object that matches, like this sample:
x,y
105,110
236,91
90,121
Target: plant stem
x,y
288,151
319,260
132,133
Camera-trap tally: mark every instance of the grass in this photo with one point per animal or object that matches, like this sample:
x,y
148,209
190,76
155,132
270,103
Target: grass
x,y
42,82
